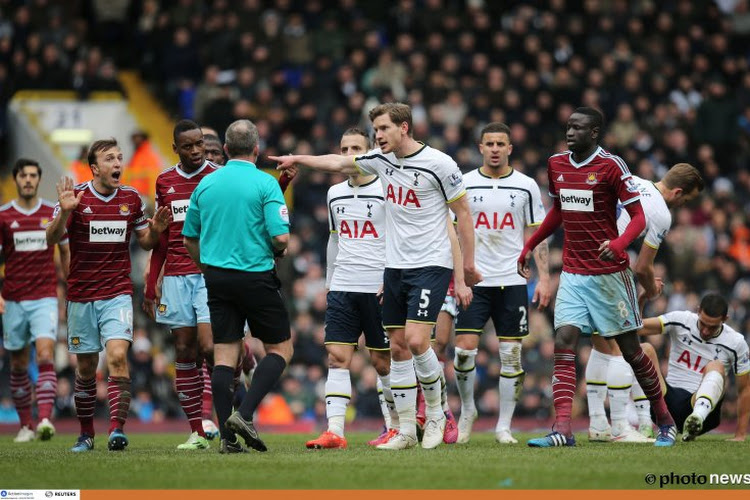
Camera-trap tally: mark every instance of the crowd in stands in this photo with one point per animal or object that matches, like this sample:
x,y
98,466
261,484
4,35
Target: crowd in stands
x,y
672,78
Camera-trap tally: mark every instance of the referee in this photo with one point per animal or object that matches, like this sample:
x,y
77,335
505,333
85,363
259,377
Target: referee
x,y
236,224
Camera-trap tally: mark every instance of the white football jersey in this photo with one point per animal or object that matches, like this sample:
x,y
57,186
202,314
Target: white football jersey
x,y
357,215
417,189
689,353
658,216
501,209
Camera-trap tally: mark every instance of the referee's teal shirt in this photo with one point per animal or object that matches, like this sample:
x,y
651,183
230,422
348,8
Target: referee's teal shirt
x,y
235,212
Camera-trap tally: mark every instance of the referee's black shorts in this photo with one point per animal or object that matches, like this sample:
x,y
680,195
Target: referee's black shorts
x,y
238,296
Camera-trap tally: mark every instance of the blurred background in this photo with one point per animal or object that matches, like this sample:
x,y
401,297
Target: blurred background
x,y
672,78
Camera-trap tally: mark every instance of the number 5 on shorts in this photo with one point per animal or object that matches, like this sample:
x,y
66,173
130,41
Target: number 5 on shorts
x,y
424,302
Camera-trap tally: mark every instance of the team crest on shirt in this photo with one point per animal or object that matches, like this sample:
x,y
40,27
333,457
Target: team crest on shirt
x,y
44,222
162,309
75,341
591,179
124,209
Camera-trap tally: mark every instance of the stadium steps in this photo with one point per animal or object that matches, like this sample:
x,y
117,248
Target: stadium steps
x,y
149,113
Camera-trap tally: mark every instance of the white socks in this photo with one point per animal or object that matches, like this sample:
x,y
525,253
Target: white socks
x,y
596,388
429,374
642,404
510,384
619,381
338,393
708,393
389,411
404,391
464,366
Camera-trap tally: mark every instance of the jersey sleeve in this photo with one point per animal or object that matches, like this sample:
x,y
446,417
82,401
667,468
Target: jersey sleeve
x,y
331,221
191,228
452,181
623,182
536,206
369,162
56,211
742,365
275,212
551,182
140,218
657,228
674,322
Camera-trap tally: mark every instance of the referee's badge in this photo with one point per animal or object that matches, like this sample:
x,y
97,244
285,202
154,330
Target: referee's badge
x,y
284,213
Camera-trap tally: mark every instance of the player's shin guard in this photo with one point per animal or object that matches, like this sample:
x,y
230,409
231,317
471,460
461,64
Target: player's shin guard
x,y
207,401
642,404
20,389
563,389
385,396
85,401
596,388
429,375
189,386
46,390
645,373
118,393
708,393
338,394
464,366
510,384
619,382
404,390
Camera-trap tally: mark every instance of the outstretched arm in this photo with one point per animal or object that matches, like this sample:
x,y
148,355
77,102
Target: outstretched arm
x,y
148,238
325,163
743,406
67,202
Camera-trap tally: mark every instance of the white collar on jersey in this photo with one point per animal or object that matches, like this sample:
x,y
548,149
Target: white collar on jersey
x,y
99,195
192,174
23,210
587,160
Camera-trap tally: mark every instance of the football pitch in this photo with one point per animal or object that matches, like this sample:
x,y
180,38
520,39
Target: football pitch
x,y
152,462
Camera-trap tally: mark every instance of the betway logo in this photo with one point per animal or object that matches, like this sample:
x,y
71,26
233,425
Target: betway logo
x,y
107,231
30,241
577,200
179,210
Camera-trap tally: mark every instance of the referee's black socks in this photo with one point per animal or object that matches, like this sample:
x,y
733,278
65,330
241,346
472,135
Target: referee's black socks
x,y
266,375
222,383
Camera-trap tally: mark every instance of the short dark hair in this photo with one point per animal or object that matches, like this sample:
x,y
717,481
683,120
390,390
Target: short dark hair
x,y
714,305
211,138
398,112
100,145
241,138
183,126
494,128
685,176
597,118
358,131
25,162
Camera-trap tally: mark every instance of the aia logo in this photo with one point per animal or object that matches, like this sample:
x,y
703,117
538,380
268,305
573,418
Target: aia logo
x,y
358,229
493,220
402,196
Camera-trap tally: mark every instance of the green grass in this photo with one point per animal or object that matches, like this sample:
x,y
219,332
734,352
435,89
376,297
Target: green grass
x,y
152,462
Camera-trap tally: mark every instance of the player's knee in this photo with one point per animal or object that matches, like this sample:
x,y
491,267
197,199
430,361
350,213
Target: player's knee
x,y
381,361
417,344
564,339
648,349
510,357
336,360
283,349
87,366
715,366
